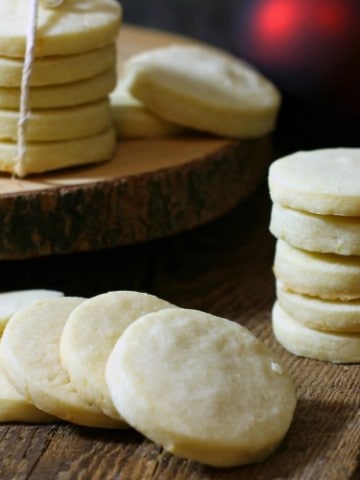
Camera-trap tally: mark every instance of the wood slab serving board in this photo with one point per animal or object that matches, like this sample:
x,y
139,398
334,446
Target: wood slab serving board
x,y
150,188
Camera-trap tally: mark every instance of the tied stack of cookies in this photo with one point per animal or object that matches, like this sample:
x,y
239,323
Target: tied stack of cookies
x,y
73,71
316,219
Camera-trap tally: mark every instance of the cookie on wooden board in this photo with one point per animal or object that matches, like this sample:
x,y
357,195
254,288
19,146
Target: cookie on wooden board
x,y
44,156
204,89
29,352
196,383
308,342
73,27
59,69
90,334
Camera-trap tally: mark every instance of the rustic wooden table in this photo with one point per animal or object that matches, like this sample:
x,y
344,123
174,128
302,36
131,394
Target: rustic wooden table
x,y
224,268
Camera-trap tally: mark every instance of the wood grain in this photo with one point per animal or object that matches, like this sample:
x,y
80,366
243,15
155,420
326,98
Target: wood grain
x,y
224,268
149,189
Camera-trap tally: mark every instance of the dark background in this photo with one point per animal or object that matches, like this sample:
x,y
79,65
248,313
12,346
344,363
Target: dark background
x,y
309,48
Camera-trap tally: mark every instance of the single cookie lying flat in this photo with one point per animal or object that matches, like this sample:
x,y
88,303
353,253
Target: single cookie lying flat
x,y
307,342
324,181
59,69
325,275
201,386
316,233
44,156
73,27
54,124
133,120
12,301
204,89
90,334
313,312
29,353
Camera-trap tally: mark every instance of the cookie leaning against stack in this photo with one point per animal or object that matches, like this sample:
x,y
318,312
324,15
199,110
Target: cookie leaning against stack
x,y
72,75
316,219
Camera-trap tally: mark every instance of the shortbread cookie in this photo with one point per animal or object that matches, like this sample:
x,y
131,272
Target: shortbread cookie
x,y
59,69
204,89
307,342
58,123
324,275
73,27
14,407
62,95
313,312
133,120
201,386
44,156
325,181
316,233
29,353
11,302
90,334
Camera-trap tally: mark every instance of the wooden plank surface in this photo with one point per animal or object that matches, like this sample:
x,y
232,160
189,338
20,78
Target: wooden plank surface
x,y
224,268
147,190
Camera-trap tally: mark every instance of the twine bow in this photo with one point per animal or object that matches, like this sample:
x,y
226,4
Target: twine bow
x,y
24,112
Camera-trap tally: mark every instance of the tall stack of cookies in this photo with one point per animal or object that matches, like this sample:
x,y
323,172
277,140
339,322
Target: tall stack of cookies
x,y
73,72
316,220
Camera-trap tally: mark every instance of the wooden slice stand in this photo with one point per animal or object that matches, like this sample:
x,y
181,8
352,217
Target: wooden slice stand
x,y
150,189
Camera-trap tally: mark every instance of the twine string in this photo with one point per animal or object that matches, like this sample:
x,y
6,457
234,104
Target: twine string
x,y
25,112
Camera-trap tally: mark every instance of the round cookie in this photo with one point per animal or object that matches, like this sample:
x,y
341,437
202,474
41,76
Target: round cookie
x,y
133,120
29,353
41,157
62,95
316,233
313,312
204,89
307,342
58,124
73,27
201,386
12,301
324,181
59,69
14,407
90,334
325,275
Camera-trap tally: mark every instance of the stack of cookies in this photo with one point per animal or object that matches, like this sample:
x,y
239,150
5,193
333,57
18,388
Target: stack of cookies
x,y
316,219
71,77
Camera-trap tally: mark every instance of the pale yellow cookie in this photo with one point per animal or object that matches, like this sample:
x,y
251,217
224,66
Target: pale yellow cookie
x,y
133,120
90,334
44,156
11,302
29,353
324,275
314,232
307,342
14,407
324,181
201,386
62,95
54,124
313,312
204,89
59,69
73,27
